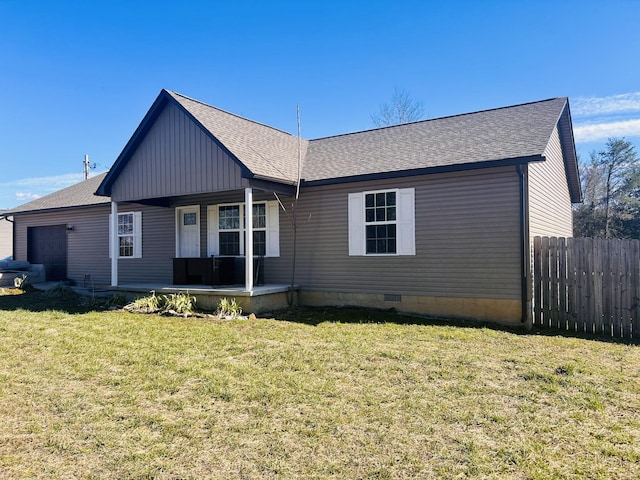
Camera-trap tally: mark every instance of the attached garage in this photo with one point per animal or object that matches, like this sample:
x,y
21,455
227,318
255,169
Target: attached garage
x,y
48,245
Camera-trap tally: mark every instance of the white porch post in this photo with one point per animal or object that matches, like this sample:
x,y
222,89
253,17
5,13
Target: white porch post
x,y
248,243
115,250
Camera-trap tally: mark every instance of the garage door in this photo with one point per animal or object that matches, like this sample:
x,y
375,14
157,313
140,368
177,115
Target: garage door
x,y
48,245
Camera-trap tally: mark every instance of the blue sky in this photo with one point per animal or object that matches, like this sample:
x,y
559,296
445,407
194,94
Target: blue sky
x,y
77,77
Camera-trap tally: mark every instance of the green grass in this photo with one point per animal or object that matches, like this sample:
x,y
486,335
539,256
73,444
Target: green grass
x,y
335,393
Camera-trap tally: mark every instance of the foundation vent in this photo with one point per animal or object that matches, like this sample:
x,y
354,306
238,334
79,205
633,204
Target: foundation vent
x,y
391,297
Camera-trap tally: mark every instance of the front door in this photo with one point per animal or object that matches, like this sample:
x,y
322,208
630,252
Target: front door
x,y
188,231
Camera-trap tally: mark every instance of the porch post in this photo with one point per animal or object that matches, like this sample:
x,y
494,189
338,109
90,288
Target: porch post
x,y
248,243
115,250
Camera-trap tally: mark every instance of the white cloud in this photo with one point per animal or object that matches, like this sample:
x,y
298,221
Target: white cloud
x,y
26,196
591,132
613,104
44,184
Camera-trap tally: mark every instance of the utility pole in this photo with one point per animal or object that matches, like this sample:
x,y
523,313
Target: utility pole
x,y
87,166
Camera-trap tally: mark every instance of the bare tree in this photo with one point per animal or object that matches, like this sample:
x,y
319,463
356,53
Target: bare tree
x,y
402,108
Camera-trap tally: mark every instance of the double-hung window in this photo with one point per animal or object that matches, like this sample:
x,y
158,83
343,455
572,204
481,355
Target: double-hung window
x,y
382,222
227,229
128,235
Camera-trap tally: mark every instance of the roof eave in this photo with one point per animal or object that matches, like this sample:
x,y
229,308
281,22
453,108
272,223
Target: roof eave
x,y
568,145
56,209
425,171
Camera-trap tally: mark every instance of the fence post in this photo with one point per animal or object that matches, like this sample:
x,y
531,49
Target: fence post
x,y
537,281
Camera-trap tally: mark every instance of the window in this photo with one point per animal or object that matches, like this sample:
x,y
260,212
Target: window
x,y
129,235
190,218
227,229
382,222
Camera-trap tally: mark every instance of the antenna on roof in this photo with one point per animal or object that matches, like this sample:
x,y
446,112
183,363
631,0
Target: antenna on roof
x,y
87,166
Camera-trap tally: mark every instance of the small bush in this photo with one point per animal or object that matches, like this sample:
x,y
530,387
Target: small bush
x,y
180,303
149,304
175,303
229,308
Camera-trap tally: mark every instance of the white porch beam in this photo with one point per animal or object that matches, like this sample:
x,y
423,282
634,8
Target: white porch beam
x,y
115,247
248,243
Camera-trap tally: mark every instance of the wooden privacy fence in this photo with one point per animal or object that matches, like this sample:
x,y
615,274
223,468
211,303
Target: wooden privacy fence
x,y
587,285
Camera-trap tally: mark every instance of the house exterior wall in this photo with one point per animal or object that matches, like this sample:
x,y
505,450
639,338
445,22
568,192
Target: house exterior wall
x,y
550,212
176,158
87,244
467,258
6,238
158,247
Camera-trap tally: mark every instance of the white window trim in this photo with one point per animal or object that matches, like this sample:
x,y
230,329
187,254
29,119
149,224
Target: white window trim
x,y
272,229
405,223
137,235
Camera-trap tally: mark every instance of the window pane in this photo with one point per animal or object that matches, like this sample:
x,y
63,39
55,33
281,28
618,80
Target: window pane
x,y
369,200
229,217
380,199
260,243
259,216
189,219
229,243
391,198
380,215
391,214
126,246
125,224
370,215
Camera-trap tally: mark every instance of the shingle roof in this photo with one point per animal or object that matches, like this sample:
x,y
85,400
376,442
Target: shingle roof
x,y
472,139
505,133
266,151
78,195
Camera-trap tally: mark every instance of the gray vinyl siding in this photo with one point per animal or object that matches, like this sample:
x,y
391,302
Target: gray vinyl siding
x,y
467,240
6,238
87,244
158,247
176,158
550,211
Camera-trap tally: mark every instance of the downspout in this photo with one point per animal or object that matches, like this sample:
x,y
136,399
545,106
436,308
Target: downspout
x,y
524,246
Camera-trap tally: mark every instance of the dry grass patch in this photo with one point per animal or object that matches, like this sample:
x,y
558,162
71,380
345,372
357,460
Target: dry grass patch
x,y
119,395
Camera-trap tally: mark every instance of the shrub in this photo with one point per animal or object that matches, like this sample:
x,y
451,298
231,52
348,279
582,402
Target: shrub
x,y
229,308
175,303
180,303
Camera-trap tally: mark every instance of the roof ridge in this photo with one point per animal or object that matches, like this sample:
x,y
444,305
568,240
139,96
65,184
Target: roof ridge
x,y
229,113
437,118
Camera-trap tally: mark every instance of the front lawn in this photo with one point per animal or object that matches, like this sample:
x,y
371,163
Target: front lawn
x,y
110,394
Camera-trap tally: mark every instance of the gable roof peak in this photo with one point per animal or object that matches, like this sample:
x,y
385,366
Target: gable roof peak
x,y
221,110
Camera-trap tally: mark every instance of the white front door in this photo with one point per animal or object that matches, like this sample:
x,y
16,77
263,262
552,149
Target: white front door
x,y
188,231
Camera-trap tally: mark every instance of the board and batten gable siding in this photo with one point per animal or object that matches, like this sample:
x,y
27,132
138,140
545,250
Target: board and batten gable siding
x,y
466,235
176,157
6,238
550,212
87,244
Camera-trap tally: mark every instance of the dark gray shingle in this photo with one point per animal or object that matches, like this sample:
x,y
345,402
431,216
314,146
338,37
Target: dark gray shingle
x,y
491,135
77,195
